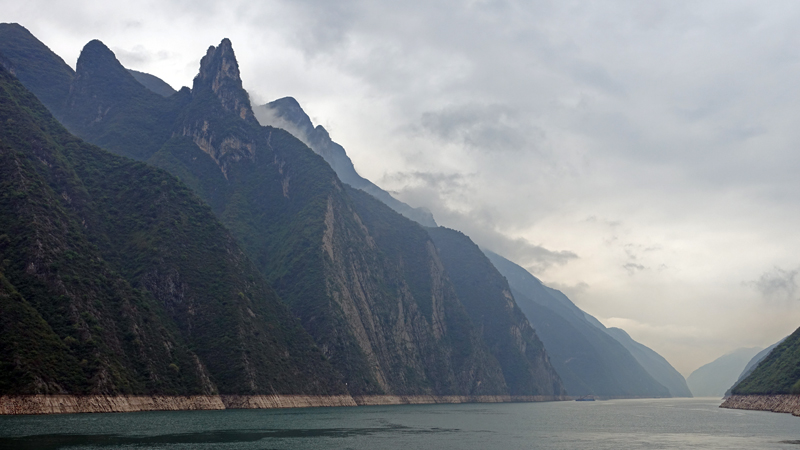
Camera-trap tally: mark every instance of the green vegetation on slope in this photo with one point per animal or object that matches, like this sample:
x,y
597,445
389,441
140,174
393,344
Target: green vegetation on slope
x,y
385,327
778,373
38,68
127,279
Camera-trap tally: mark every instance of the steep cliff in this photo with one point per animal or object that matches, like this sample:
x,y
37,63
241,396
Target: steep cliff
x,y
286,113
387,327
752,364
491,306
118,280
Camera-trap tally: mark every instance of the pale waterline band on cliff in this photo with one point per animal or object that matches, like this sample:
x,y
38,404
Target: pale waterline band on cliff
x,y
69,404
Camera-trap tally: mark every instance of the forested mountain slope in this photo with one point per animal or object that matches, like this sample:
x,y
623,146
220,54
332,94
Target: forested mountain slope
x,y
371,316
116,279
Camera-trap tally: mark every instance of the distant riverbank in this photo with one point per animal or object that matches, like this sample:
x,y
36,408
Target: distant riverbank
x,y
775,403
66,404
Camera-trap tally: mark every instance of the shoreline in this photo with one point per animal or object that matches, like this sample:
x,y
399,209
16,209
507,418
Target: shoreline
x,y
784,403
72,404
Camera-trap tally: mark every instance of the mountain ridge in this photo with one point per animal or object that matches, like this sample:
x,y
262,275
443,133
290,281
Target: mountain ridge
x,y
300,227
287,113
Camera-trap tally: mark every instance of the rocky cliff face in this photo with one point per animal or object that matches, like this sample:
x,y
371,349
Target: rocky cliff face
x,y
107,286
219,75
106,106
491,306
367,284
286,113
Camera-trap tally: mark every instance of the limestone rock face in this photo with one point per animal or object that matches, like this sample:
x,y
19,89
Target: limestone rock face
x,y
381,312
219,74
488,301
117,280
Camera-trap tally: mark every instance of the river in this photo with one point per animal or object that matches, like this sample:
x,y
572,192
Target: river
x,y
612,424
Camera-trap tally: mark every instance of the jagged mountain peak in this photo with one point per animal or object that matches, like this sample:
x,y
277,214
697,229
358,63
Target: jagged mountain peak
x,y
219,74
289,109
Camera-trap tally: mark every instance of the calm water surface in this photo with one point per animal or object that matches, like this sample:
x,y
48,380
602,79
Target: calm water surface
x,y
614,424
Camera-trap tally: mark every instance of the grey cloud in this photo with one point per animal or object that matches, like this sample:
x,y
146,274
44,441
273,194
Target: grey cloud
x,y
139,56
678,118
480,224
441,183
632,268
777,285
484,127
535,258
267,116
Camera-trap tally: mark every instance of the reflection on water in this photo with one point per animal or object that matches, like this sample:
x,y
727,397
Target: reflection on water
x,y
617,424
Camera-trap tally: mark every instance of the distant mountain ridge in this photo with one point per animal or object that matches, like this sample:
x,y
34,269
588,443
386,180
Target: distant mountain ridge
x,y
286,113
348,279
153,83
714,378
658,367
385,300
752,364
589,357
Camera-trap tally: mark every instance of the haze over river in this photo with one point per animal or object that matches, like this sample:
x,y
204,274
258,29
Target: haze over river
x,y
613,424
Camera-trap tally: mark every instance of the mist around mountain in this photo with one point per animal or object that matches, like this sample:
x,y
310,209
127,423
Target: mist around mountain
x,y
372,292
777,373
714,378
656,365
286,113
392,307
589,357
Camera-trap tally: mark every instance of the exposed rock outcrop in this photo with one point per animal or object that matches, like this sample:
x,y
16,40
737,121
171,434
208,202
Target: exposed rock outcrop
x,y
219,73
776,403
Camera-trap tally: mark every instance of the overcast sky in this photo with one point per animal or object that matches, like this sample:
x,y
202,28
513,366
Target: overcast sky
x,y
639,156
